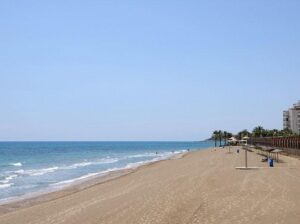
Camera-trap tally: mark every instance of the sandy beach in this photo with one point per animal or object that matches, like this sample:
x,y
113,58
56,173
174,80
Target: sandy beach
x,y
201,187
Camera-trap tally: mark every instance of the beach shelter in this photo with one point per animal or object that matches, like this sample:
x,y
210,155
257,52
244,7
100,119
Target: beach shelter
x,y
232,140
245,137
244,141
276,152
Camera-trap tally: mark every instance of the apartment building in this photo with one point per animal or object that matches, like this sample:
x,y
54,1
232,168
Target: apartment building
x,y
291,118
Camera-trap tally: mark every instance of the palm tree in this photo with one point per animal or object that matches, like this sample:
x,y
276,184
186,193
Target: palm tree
x,y
220,135
243,133
225,134
258,131
215,136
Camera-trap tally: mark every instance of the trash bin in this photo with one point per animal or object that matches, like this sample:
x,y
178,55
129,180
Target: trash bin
x,y
270,162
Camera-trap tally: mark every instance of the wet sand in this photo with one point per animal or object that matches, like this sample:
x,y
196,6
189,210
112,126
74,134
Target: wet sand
x,y
201,187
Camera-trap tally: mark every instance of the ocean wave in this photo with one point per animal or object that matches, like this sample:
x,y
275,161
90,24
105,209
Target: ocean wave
x,y
75,179
36,172
8,178
42,171
159,157
143,155
6,185
140,163
128,166
11,164
16,164
97,162
157,154
76,165
39,172
66,182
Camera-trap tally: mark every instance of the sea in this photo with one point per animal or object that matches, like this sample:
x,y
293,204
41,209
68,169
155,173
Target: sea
x,y
30,167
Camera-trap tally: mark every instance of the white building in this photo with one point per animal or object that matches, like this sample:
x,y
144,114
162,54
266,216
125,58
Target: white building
x,y
291,118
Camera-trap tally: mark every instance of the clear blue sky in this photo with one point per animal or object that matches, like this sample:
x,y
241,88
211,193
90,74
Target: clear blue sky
x,y
145,70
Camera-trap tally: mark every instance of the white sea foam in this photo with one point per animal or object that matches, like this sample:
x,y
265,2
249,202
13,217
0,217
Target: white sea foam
x,y
42,171
66,182
11,164
140,163
156,155
152,157
159,157
162,156
16,164
76,165
8,178
107,160
143,155
36,172
96,162
75,179
6,185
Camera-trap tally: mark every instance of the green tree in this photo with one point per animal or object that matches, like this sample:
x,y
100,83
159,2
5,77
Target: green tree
x,y
243,133
258,131
273,132
215,137
221,136
286,132
226,136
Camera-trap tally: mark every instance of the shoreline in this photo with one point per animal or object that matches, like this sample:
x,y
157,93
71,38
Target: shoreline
x,y
201,187
34,198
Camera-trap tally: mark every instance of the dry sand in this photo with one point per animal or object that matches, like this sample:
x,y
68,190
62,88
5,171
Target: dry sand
x,y
201,187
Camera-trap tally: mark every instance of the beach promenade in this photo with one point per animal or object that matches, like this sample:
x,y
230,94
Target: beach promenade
x,y
202,187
